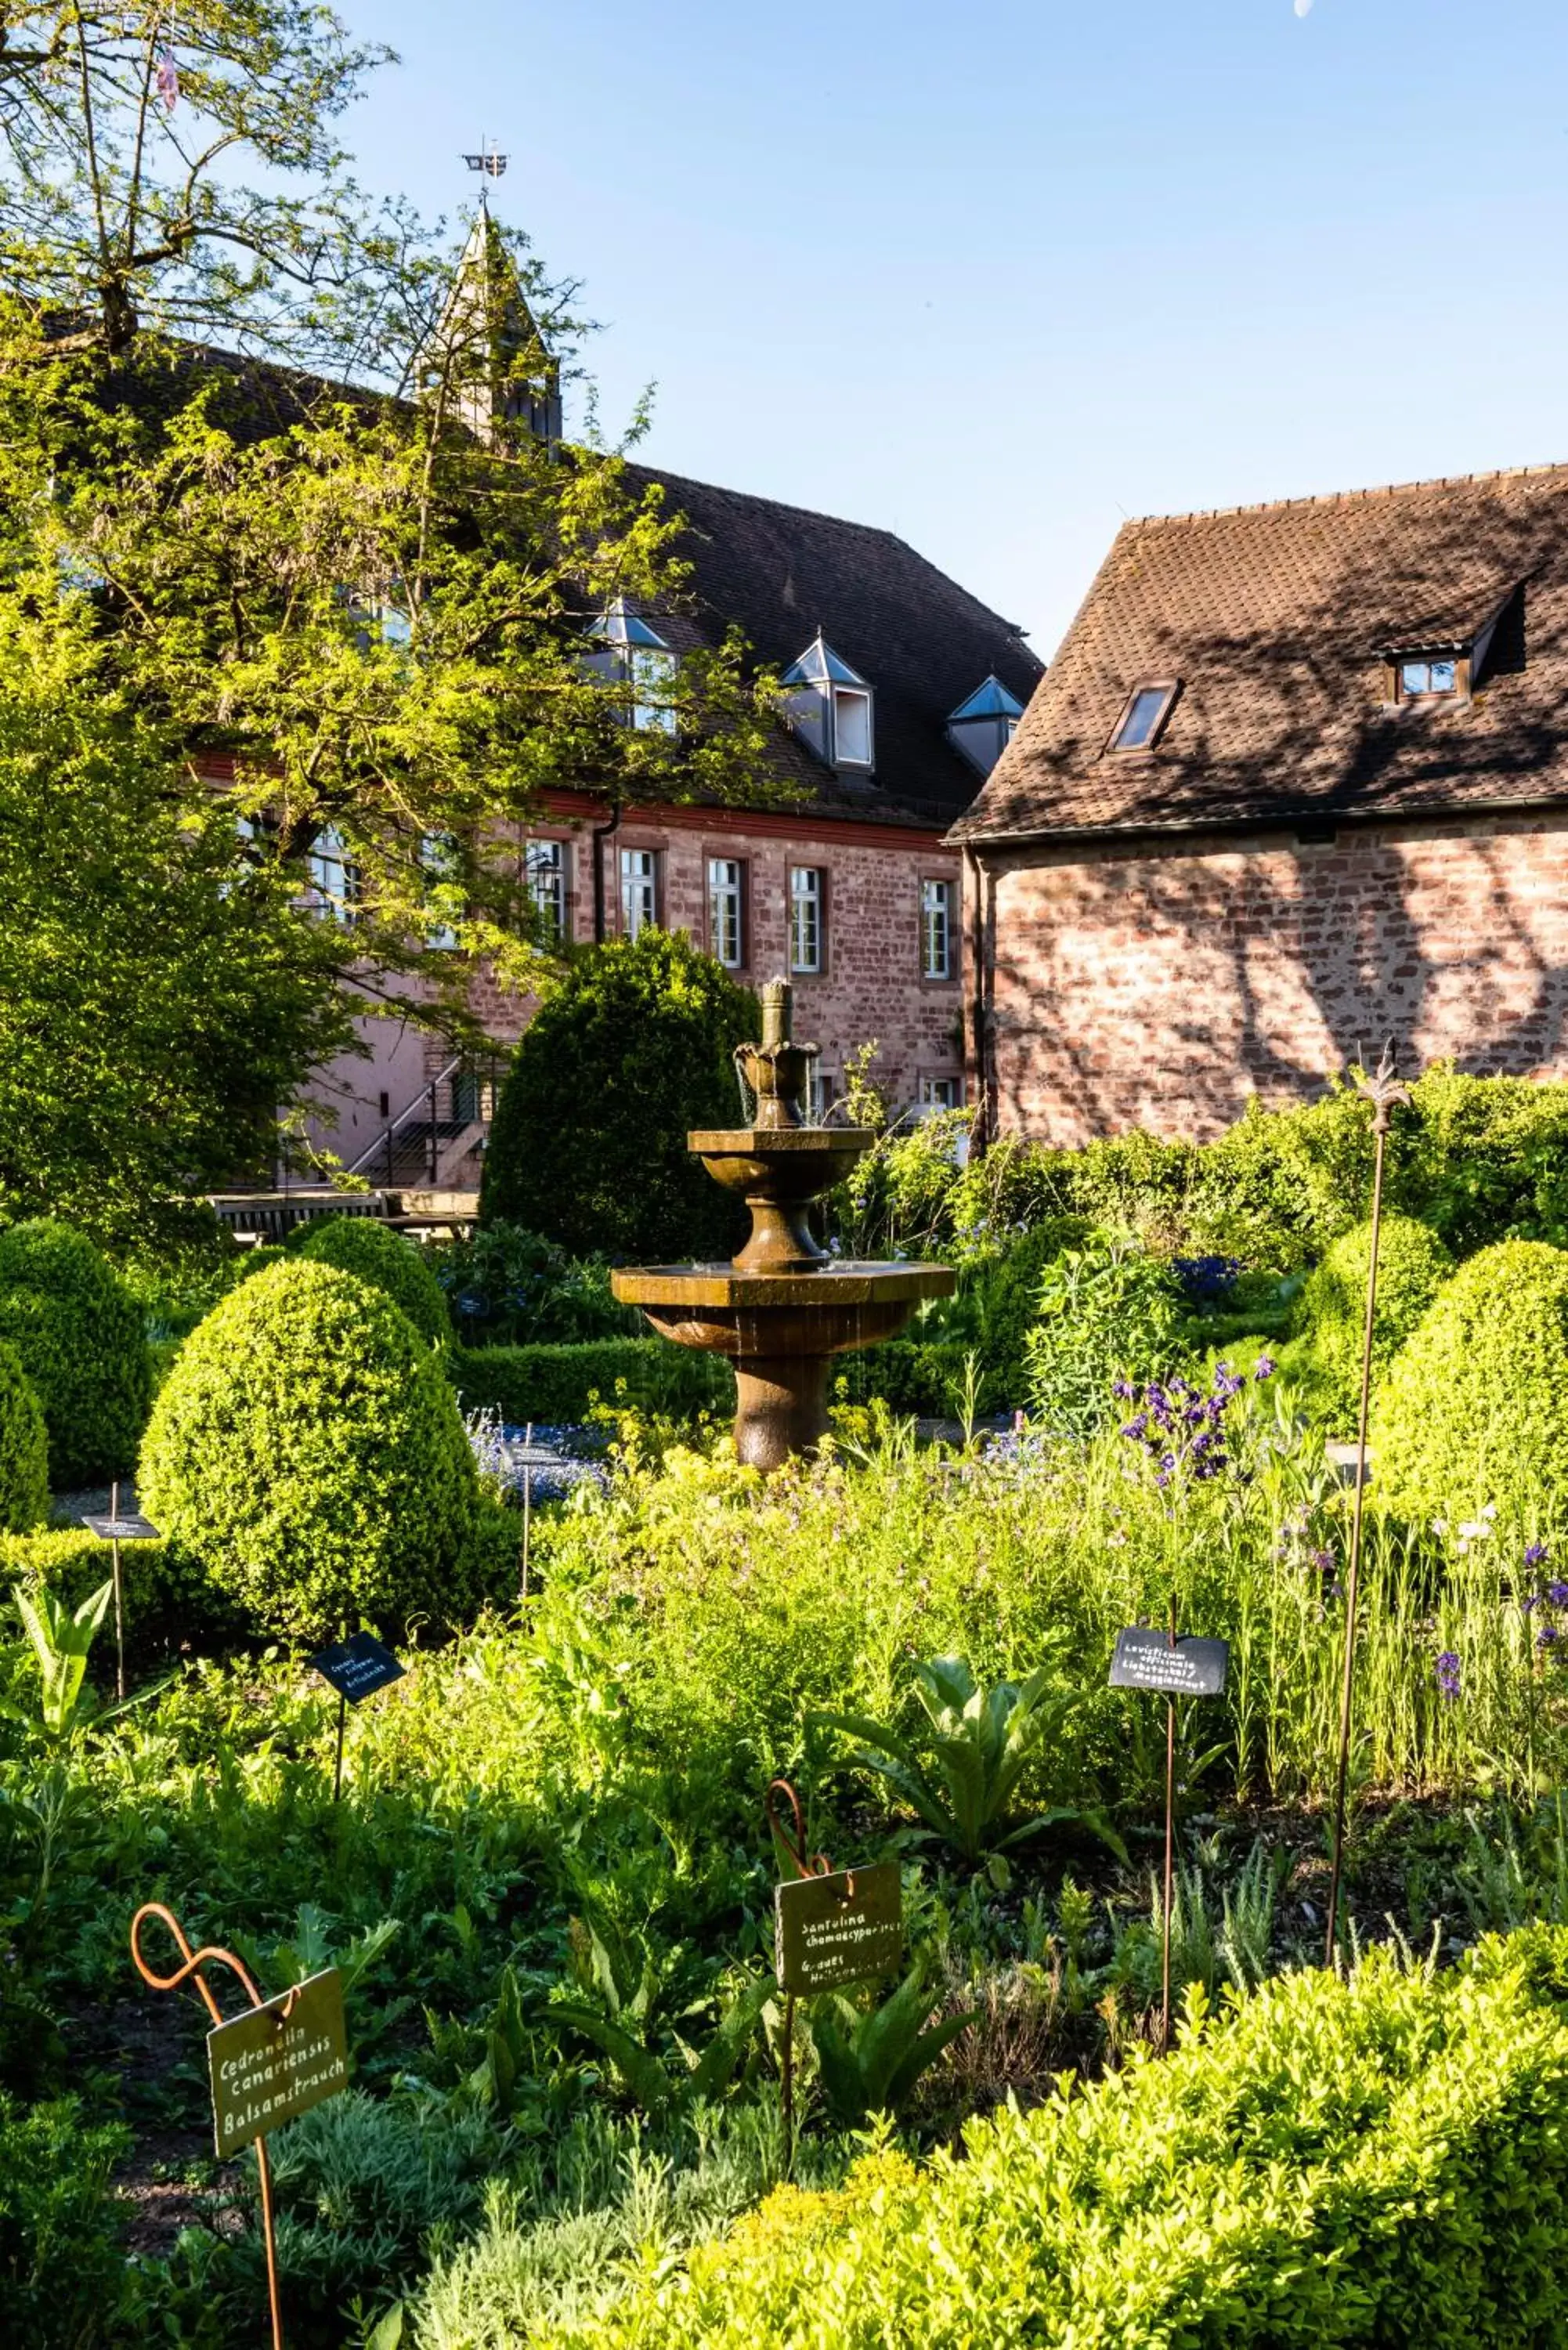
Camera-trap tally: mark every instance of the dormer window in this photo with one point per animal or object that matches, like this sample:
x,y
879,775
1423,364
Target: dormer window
x,y
1144,716
982,728
830,705
632,655
1419,679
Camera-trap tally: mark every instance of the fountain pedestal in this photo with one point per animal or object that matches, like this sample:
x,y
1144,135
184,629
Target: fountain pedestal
x,y
783,1308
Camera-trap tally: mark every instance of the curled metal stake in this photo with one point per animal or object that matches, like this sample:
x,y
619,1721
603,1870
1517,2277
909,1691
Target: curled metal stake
x,y
791,1834
190,1971
1383,1092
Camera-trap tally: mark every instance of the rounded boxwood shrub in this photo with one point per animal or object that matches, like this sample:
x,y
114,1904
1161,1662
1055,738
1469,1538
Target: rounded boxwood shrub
x,y
1472,1409
307,1452
82,1341
588,1148
1331,1313
23,1449
375,1253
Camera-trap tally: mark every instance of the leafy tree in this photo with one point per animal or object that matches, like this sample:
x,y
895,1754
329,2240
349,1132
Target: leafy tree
x,y
350,619
635,1048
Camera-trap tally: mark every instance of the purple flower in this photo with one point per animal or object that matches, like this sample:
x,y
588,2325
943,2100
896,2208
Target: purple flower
x,y
1324,1561
1264,1367
1535,1554
1558,1594
1547,1635
1449,1674
1138,1425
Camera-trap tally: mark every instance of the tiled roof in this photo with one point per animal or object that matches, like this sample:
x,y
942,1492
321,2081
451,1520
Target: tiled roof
x,y
1278,620
922,642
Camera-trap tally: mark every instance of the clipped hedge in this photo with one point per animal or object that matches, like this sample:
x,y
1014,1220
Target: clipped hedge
x,y
1369,2163
24,1448
307,1453
388,1261
559,1384
163,1593
1472,1409
1330,1311
81,1339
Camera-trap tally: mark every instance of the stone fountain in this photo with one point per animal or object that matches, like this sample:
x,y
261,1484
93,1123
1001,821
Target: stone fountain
x,y
783,1307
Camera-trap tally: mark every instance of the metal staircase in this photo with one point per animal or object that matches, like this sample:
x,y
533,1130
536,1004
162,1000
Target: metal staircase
x,y
430,1142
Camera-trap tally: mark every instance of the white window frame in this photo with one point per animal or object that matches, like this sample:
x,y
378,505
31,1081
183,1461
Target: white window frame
x,y
727,912
639,890
547,878
937,1094
336,883
938,893
842,695
808,920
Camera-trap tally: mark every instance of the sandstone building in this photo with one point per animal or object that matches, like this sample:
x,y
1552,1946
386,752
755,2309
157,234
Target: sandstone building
x,y
1296,781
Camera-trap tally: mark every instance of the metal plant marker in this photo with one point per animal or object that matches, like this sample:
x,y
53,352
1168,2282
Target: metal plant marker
x,y
1384,1092
114,1530
192,1963
831,1927
356,1669
1187,1667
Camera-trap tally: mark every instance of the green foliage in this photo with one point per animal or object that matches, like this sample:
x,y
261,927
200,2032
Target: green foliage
x,y
506,1287
78,1333
870,2060
1471,1412
633,2002
632,1050
1360,2163
24,1448
307,1452
384,1259
969,1352
163,1596
1330,1310
62,2270
62,1638
1107,1311
552,1385
959,1773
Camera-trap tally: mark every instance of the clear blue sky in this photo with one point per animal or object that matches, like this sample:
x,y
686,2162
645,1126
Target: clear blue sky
x,y
993,274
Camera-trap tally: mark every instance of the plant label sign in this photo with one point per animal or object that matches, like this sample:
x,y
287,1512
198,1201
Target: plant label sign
x,y
358,1667
843,1928
266,2066
127,1527
1145,1659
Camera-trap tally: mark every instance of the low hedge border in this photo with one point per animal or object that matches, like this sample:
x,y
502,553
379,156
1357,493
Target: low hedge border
x,y
550,1384
1328,2163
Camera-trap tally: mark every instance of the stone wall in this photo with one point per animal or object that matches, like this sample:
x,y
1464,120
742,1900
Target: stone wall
x,y
1161,983
871,985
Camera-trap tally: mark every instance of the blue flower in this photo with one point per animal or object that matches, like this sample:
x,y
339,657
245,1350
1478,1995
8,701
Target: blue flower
x,y
1264,1367
1535,1554
1447,1671
1558,1594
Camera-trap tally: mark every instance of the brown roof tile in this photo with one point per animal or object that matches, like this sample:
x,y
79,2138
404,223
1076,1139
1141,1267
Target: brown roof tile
x,y
1277,620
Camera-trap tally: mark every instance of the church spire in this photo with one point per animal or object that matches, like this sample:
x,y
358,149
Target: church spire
x,y
487,352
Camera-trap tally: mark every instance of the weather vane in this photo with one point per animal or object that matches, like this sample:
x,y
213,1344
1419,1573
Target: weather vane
x,y
490,160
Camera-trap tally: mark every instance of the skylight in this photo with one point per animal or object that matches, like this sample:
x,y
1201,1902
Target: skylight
x,y
981,727
1143,718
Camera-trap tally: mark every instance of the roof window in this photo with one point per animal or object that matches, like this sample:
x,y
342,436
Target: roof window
x,y
632,654
1144,716
1418,679
982,728
832,706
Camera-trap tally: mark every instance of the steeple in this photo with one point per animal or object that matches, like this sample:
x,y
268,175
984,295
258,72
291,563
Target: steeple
x,y
487,351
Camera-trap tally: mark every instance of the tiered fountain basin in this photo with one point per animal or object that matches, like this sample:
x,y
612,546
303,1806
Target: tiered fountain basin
x,y
783,1308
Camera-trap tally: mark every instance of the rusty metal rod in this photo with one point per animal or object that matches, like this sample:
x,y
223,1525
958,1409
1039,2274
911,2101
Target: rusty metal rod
x,y
1169,1853
1382,1093
190,1971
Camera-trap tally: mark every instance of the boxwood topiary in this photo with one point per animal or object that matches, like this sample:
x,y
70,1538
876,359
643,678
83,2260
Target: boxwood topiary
x,y
306,1452
1330,1316
374,1252
23,1449
82,1342
1471,1412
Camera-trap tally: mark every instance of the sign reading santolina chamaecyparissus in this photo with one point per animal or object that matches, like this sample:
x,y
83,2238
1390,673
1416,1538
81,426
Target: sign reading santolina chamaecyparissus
x,y
844,1928
266,2069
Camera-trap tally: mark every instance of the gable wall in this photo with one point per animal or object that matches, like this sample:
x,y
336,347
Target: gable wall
x,y
1160,983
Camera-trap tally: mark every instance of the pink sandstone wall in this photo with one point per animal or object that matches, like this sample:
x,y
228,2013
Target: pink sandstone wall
x,y
1161,985
871,986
